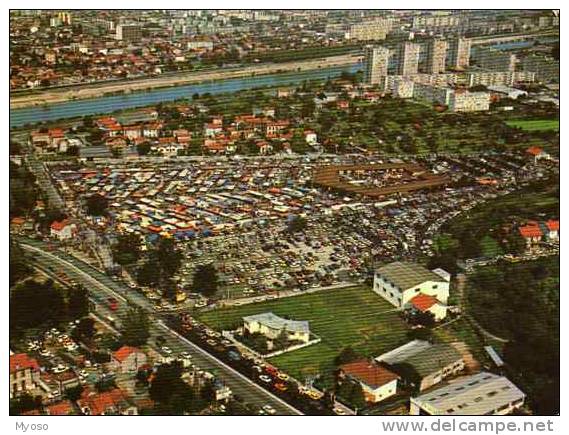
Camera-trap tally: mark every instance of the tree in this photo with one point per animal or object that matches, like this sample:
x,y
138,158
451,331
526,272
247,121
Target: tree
x,y
34,304
24,402
135,327
169,390
85,330
143,148
148,274
73,151
19,267
127,249
347,355
205,280
78,302
97,205
74,393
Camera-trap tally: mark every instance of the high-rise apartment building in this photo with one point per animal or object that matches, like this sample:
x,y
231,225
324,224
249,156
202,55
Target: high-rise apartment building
x,y
376,63
458,56
407,58
436,56
370,30
128,32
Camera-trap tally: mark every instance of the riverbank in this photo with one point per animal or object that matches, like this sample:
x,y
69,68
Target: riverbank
x,y
28,116
48,97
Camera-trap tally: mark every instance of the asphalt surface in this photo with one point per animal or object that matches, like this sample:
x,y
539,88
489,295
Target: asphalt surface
x,y
102,287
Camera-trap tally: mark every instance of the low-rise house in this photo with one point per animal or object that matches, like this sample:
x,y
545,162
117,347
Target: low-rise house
x,y
24,374
128,359
310,137
532,233
64,407
377,382
537,153
423,364
272,326
401,282
113,402
552,233
63,230
480,394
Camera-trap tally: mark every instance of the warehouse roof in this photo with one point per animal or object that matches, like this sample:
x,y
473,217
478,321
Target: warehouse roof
x,y
472,395
425,358
407,275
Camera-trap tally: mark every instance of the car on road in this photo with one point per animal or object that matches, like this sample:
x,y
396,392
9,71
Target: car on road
x,y
281,386
166,350
283,376
266,379
185,355
339,411
269,410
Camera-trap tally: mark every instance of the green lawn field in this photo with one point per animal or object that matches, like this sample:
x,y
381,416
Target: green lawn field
x,y
534,124
354,316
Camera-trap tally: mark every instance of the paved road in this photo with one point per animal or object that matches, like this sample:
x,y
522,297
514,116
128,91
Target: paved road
x,y
102,287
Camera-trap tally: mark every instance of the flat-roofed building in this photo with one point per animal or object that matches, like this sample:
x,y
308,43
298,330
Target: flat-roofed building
x,y
377,60
480,394
436,56
495,60
407,58
469,101
458,54
373,30
432,94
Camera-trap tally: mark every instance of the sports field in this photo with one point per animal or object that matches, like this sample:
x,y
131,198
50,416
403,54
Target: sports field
x,y
535,124
353,316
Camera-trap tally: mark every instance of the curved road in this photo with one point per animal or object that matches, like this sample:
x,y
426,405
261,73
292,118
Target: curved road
x,y
102,287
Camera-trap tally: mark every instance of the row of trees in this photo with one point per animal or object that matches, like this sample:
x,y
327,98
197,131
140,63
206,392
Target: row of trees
x,y
520,302
35,304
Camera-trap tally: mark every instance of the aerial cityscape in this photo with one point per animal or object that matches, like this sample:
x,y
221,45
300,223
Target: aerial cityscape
x,y
284,212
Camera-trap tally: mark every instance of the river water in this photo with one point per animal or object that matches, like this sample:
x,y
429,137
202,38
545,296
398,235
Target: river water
x,y
106,104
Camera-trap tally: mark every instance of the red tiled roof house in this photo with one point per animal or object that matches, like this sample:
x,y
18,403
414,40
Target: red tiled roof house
x,y
378,383
24,374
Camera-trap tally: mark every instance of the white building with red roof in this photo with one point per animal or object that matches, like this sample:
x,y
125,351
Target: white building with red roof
x,y
63,230
377,382
128,359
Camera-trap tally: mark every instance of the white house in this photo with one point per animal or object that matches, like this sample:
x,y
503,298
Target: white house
x,y
310,137
63,230
128,359
377,382
400,283
271,326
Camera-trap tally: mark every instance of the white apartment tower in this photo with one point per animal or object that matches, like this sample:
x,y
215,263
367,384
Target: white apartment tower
x,y
459,53
436,56
408,59
377,60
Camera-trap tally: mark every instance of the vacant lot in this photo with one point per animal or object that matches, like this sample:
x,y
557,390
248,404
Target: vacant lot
x,y
354,317
535,124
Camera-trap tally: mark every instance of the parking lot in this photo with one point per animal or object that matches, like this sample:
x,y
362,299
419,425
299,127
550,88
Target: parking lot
x,y
236,214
